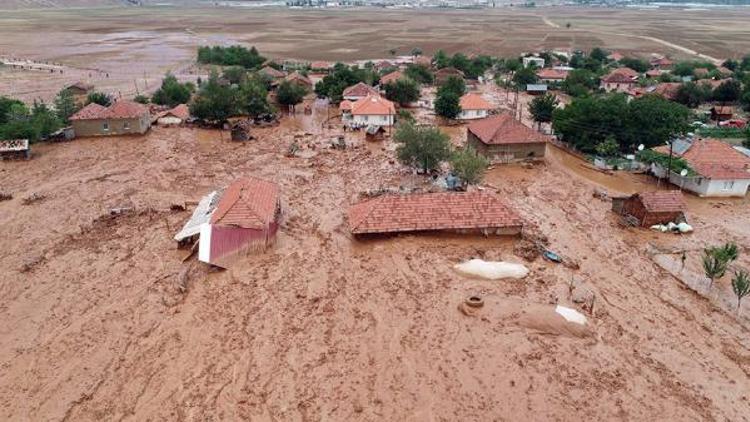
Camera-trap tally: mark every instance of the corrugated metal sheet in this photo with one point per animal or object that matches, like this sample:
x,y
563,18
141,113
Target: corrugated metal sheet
x,y
221,245
201,215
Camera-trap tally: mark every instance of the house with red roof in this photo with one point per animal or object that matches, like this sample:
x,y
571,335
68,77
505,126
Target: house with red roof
x,y
661,63
550,75
321,66
621,80
503,139
359,91
245,219
719,169
299,79
270,72
442,75
122,117
473,106
175,116
651,208
372,110
391,77
463,212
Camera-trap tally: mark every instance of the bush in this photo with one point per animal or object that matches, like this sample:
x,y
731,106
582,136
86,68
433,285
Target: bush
x,y
469,166
99,98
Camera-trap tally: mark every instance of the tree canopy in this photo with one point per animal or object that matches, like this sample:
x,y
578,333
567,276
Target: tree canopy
x,y
419,73
172,92
468,165
235,55
99,98
542,107
422,147
333,85
290,94
402,91
17,121
214,101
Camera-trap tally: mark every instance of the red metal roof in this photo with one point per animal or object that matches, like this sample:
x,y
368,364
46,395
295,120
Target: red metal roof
x,y
432,211
663,201
249,203
503,129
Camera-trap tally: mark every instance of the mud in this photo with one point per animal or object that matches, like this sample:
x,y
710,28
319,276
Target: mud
x,y
103,321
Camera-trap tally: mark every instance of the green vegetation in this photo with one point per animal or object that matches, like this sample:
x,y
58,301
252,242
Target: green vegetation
x,y
692,94
542,107
289,94
17,121
741,286
579,82
333,85
723,132
65,106
650,120
253,97
713,266
419,73
172,92
676,164
142,99
421,147
524,76
447,100
472,68
99,98
215,102
728,92
403,91
639,65
468,165
235,55
234,74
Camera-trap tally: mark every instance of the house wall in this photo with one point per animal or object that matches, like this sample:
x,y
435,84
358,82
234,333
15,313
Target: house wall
x,y
472,114
96,127
366,120
169,120
508,153
704,187
634,207
616,86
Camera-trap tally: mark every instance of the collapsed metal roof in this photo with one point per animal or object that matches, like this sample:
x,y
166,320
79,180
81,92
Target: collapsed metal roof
x,y
201,215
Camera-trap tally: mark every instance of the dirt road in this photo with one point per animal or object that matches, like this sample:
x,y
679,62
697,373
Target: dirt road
x,y
102,321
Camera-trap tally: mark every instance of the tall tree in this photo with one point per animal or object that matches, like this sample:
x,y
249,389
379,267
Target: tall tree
x,y
214,101
728,92
254,97
447,104
421,147
542,107
172,92
468,165
403,91
65,105
290,94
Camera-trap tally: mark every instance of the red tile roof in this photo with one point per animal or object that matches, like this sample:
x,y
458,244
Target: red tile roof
x,y
667,90
298,77
474,101
90,112
723,110
361,89
663,201
391,77
616,56
373,105
432,211
552,74
181,111
125,109
249,202
714,159
503,129
661,62
621,75
271,72
345,105
320,65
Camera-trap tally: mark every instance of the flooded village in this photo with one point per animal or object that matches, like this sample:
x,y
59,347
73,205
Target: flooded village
x,y
422,235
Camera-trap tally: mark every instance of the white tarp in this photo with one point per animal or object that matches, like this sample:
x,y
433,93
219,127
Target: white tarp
x,y
201,215
571,315
492,270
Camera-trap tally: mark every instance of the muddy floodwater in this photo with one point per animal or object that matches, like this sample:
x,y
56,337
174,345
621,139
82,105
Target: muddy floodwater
x,y
102,319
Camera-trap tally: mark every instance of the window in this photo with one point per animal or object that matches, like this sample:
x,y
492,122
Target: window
x,y
728,185
105,126
366,118
126,126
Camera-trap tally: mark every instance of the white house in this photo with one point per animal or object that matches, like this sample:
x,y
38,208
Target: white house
x,y
721,170
536,61
473,106
372,110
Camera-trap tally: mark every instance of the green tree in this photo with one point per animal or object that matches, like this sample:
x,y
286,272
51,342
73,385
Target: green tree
x,y
453,84
599,54
289,94
99,98
6,104
579,82
607,147
215,102
713,266
524,76
172,92
342,76
416,51
728,92
639,65
142,99
447,104
234,74
235,55
253,97
419,73
652,120
542,107
421,147
440,59
402,91
741,286
587,121
468,165
65,105
44,120
692,95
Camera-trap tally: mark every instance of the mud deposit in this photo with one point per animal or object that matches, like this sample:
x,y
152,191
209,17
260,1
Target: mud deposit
x,y
101,319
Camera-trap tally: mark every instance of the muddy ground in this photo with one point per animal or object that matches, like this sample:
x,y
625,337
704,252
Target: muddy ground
x,y
103,321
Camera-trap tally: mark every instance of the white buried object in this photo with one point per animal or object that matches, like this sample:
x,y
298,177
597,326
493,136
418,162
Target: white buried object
x,y
571,315
684,228
492,270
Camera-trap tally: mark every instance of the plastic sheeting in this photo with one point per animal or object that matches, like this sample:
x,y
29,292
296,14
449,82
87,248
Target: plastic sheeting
x,y
492,270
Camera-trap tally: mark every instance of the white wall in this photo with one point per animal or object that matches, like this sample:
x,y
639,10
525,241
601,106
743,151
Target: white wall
x,y
472,114
711,188
365,120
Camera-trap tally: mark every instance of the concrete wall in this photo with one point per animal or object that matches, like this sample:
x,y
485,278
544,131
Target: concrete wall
x,y
472,114
106,127
508,153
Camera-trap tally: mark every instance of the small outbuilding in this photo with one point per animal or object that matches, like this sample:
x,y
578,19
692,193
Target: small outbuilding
x,y
650,208
503,139
246,219
14,149
721,113
174,117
